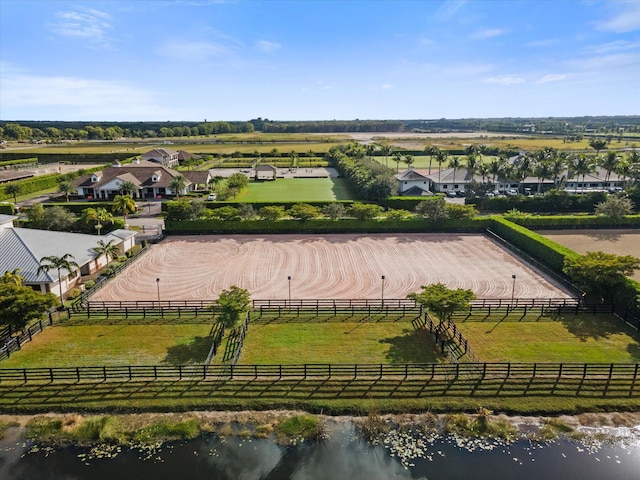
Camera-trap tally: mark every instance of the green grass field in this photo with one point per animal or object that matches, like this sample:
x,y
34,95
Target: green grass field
x,y
297,189
70,346
574,338
337,342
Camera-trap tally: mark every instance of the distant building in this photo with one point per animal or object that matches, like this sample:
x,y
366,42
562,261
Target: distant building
x,y
162,156
152,181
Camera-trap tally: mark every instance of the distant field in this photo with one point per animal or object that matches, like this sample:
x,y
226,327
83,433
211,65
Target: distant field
x,y
575,338
337,342
70,346
297,189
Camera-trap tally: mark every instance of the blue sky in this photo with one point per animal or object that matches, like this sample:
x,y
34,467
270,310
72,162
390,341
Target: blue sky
x,y
317,60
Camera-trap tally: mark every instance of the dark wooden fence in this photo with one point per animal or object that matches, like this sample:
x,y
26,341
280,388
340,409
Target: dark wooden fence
x,y
448,371
13,343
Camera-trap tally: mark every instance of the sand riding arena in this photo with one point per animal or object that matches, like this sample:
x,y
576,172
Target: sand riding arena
x,y
326,267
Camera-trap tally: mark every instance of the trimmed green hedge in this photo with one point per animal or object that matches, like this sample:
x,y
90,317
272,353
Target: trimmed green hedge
x,y
418,225
258,205
569,221
42,182
551,202
78,207
546,251
7,209
405,203
22,161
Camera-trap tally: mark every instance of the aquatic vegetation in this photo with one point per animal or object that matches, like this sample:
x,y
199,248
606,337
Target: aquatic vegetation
x,y
165,429
43,428
299,426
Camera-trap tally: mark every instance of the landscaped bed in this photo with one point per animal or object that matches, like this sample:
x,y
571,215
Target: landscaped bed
x,y
571,338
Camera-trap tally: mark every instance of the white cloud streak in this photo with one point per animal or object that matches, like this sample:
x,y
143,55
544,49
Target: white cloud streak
x,y
488,33
87,24
625,20
552,77
505,80
267,46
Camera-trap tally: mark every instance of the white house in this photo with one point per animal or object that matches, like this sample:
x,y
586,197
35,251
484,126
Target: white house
x,y
162,156
22,248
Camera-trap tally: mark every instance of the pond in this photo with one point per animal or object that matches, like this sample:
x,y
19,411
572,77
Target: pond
x,y
343,454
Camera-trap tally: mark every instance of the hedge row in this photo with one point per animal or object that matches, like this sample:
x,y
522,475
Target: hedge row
x,y
78,207
568,221
550,202
417,225
36,184
7,209
546,251
258,205
70,157
22,161
405,203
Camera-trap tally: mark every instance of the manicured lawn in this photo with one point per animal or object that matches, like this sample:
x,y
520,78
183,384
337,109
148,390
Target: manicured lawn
x,y
336,342
297,189
574,338
70,346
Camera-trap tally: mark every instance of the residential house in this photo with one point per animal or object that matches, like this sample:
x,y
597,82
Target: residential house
x,y
199,179
152,181
22,248
162,156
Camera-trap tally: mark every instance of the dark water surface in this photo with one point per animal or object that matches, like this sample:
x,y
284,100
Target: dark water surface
x,y
343,455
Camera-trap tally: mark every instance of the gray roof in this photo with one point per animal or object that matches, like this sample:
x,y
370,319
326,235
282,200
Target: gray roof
x,y
6,218
24,247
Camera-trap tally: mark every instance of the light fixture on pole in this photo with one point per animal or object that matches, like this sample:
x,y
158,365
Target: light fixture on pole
x,y
382,295
289,280
158,289
513,289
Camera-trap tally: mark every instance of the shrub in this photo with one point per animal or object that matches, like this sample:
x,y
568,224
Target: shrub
x,y
74,293
364,211
434,209
457,212
304,212
615,207
89,284
271,212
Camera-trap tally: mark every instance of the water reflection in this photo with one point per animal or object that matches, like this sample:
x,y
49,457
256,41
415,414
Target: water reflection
x,y
343,455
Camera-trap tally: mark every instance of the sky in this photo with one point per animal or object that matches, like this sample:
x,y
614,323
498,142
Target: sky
x,y
234,60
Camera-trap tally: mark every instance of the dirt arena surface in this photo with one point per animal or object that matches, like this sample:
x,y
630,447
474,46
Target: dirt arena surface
x,y
325,267
619,242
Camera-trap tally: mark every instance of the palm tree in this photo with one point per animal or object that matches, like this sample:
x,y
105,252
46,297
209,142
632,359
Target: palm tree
x,y
482,150
494,168
583,165
455,164
408,159
387,150
558,164
294,158
66,262
66,188
609,162
543,171
483,170
441,157
12,277
431,150
397,158
13,189
100,215
472,165
110,249
123,204
128,188
178,185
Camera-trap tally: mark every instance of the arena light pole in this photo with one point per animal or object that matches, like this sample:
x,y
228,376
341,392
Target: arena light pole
x,y
513,289
382,295
158,290
289,280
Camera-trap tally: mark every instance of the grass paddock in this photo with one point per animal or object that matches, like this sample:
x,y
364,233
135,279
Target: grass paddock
x,y
297,189
571,338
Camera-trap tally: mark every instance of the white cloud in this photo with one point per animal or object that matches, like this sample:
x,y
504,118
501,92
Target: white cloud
x,y
87,24
606,62
426,41
449,9
183,50
78,97
625,20
267,46
545,42
552,77
615,46
506,80
488,33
